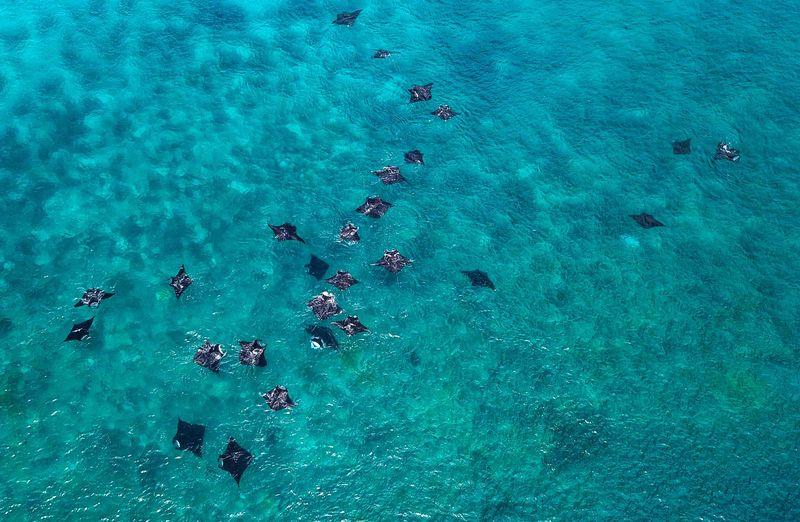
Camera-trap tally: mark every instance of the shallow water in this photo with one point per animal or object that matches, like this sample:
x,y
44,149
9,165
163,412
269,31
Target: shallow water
x,y
616,372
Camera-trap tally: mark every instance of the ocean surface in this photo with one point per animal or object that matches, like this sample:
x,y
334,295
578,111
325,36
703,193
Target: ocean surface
x,y
616,372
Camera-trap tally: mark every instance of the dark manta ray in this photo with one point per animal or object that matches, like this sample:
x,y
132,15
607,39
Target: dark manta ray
x,y
235,460
349,232
682,147
347,19
389,175
278,398
286,232
646,220
725,151
92,297
322,337
79,331
479,278
324,306
209,356
351,325
444,112
420,92
382,53
189,437
342,280
252,354
317,267
180,282
393,261
414,156
374,207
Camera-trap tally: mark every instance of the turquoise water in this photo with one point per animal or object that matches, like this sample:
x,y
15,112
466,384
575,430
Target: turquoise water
x,y
616,372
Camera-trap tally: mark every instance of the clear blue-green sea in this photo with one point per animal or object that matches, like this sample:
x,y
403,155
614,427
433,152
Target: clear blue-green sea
x,y
616,373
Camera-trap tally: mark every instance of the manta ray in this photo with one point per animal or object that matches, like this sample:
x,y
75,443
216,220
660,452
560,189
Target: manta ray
x,y
414,156
682,147
322,337
92,298
317,267
725,151
235,460
444,112
342,280
286,232
180,282
209,356
351,325
349,232
347,19
189,437
79,331
479,278
252,353
646,220
389,175
393,261
278,398
324,306
374,207
420,93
